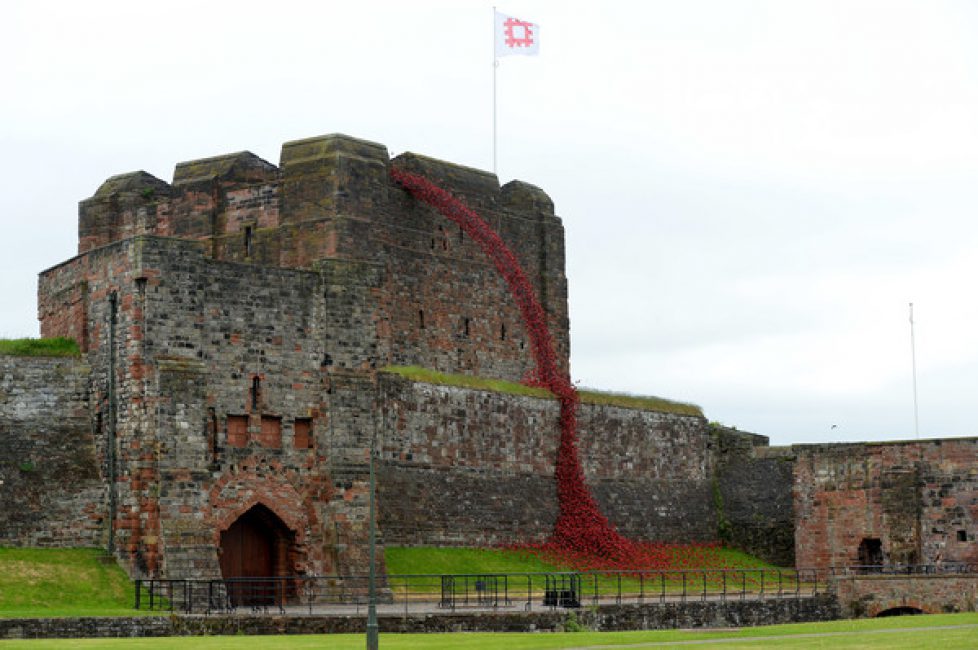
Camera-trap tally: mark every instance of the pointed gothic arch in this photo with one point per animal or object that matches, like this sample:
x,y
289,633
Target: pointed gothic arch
x,y
257,551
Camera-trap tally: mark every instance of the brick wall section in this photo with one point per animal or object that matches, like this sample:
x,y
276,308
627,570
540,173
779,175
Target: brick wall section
x,y
51,492
917,498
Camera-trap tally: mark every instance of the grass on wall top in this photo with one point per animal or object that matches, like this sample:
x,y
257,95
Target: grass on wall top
x,y
646,403
55,347
588,396
417,373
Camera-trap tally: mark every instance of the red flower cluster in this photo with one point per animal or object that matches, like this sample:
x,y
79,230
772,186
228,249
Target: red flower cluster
x,y
581,530
645,557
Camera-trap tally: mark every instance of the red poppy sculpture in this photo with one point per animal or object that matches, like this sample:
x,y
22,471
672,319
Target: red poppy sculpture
x,y
581,530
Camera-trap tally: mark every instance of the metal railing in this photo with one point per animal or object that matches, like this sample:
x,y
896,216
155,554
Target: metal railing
x,y
944,568
302,595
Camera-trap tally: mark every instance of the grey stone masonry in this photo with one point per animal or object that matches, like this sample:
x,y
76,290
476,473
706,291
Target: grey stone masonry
x,y
51,487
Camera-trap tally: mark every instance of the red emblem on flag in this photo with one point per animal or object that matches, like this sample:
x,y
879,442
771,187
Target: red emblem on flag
x,y
519,33
516,36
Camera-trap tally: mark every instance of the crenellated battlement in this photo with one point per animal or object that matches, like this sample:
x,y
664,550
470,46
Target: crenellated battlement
x,y
433,298
240,194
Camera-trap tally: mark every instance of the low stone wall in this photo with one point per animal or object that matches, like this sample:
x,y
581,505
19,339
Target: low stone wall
x,y
710,614
85,627
869,595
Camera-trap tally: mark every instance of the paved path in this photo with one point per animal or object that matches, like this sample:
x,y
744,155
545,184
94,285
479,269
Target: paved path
x,y
517,605
781,637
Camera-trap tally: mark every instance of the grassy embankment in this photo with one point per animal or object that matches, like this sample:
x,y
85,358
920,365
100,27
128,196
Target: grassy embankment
x,y
62,582
56,347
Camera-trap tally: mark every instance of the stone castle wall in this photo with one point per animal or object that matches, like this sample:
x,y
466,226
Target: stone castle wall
x,y
752,494
51,489
464,466
916,498
456,465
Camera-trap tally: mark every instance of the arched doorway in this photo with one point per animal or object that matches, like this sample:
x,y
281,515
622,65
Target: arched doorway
x,y
904,610
257,551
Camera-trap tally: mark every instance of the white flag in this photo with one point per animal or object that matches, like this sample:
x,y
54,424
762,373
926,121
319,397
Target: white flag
x,y
515,36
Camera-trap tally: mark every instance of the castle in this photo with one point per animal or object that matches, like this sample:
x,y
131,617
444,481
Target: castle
x,y
238,327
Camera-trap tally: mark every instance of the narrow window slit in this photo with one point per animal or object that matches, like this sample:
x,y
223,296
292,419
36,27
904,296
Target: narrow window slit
x,y
255,392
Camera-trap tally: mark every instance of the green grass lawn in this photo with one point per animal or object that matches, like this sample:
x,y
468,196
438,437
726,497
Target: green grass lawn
x,y
942,632
55,347
62,582
417,562
440,560
454,559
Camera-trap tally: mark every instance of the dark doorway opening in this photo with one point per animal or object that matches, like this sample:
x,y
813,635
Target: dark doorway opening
x,y
871,554
900,611
257,553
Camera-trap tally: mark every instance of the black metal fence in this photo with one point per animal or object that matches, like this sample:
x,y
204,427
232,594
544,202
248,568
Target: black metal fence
x,y
520,591
945,568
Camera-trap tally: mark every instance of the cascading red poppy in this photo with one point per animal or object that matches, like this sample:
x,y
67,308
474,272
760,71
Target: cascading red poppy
x,y
581,530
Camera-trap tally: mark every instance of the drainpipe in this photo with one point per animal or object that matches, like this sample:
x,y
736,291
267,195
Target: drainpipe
x,y
372,628
110,445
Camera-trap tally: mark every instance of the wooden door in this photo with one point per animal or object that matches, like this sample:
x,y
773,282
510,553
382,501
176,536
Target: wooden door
x,y
249,549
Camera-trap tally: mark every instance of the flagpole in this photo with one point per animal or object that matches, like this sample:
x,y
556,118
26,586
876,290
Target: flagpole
x,y
495,65
913,361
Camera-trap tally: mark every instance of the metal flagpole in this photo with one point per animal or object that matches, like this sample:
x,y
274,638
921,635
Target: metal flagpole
x,y
495,65
913,359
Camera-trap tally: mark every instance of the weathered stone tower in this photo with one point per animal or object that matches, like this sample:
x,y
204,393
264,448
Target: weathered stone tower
x,y
234,320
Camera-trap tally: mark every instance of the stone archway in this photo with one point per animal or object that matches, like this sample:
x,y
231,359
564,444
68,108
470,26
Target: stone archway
x,y
902,610
257,551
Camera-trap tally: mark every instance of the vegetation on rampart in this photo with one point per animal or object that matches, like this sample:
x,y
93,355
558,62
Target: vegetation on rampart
x,y
55,347
642,402
424,375
587,396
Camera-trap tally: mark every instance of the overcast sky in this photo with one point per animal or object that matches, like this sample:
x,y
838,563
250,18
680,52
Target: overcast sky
x,y
752,192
